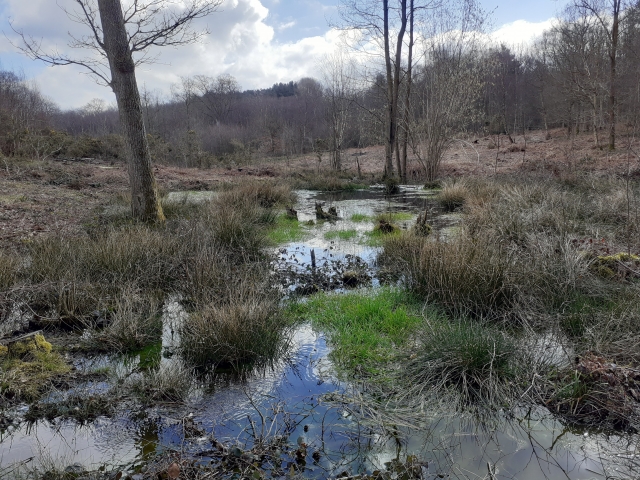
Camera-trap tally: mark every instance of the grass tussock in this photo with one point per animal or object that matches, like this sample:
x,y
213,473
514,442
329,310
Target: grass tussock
x,y
265,194
246,331
9,264
170,382
465,363
453,195
464,277
134,323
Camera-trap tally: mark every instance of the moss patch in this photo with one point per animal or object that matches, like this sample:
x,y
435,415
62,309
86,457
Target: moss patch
x,y
27,368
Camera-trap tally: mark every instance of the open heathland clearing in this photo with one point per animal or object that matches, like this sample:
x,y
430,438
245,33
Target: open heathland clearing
x,y
252,336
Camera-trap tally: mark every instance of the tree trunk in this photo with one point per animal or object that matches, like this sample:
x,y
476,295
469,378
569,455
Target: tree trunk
x,y
389,123
145,203
407,109
615,29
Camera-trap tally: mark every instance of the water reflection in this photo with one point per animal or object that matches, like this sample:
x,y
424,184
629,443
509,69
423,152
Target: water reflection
x,y
302,398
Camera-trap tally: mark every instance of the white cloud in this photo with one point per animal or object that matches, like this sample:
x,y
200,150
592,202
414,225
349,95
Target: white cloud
x,y
284,26
240,43
520,32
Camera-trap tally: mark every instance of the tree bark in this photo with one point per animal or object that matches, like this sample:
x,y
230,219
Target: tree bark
x,y
145,202
389,123
615,29
407,111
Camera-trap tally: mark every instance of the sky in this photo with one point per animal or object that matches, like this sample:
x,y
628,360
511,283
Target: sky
x,y
259,42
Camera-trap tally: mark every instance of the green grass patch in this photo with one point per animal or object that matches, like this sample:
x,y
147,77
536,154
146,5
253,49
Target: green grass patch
x,y
376,238
392,217
365,329
360,217
285,230
340,234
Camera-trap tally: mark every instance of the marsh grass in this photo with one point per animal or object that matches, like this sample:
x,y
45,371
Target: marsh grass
x,y
247,331
9,270
467,364
454,195
524,250
214,259
464,277
364,329
171,382
265,194
285,230
341,234
527,258
135,322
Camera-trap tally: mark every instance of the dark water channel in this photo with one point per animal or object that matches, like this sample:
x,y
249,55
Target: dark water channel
x,y
301,399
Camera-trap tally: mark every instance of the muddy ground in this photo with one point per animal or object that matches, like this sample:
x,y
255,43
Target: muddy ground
x,y
63,196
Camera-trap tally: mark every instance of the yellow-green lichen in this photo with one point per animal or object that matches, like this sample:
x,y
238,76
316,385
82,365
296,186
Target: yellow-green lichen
x,y
618,257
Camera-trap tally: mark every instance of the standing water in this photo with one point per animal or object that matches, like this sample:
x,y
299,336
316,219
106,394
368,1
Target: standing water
x,y
300,401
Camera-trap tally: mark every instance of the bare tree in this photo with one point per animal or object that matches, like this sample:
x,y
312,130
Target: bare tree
x,y
217,95
376,21
115,35
606,14
447,85
338,72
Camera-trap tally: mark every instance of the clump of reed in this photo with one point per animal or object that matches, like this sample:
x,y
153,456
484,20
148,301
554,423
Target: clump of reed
x,y
134,322
465,363
246,331
453,195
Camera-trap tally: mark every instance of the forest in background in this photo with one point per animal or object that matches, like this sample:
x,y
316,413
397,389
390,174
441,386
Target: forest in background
x,y
460,87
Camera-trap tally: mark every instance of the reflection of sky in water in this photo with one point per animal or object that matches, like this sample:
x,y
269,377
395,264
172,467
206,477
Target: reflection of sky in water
x,y
303,390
